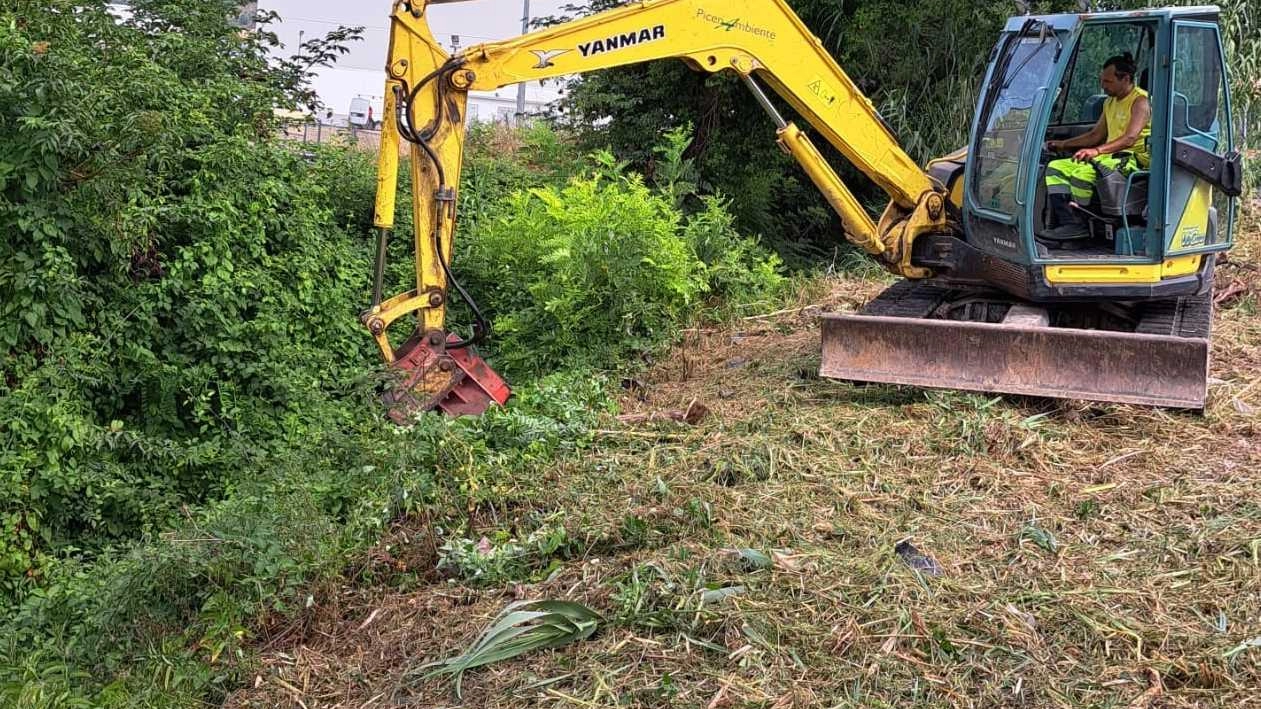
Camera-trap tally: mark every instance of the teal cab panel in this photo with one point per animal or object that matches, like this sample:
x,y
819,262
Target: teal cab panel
x,y
1150,230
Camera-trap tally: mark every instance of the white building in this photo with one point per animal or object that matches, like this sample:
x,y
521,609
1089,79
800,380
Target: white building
x,y
501,106
361,73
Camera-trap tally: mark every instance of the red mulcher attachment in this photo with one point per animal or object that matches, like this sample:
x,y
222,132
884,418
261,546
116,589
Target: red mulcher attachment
x,y
456,381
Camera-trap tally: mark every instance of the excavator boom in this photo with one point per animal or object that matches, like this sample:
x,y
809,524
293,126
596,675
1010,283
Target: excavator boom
x,y
425,105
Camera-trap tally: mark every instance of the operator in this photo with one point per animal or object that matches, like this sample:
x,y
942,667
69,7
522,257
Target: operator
x,y
1118,141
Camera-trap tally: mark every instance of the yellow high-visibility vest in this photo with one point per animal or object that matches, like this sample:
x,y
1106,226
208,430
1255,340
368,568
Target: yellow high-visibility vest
x,y
1116,113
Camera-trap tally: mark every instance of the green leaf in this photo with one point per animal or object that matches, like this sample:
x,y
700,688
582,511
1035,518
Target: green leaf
x,y
717,595
522,627
1043,538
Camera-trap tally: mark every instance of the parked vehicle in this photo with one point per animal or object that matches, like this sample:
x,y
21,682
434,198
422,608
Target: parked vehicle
x,y
365,113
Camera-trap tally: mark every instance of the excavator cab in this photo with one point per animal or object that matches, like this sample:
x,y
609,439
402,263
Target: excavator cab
x,y
1150,230
1123,314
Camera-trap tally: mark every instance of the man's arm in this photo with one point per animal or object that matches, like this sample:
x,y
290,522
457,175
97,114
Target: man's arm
x,y
1092,137
1140,114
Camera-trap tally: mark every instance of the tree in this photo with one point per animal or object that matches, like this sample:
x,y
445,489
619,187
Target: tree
x,y
161,255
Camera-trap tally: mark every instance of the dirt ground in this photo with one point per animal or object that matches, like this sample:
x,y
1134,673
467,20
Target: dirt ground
x,y
923,548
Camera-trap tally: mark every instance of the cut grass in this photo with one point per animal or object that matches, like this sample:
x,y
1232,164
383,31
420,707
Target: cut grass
x,y
1091,555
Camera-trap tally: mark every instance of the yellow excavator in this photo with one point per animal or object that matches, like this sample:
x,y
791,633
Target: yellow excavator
x,y
991,299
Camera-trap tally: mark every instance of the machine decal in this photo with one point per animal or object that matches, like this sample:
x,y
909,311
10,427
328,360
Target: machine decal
x,y
622,41
722,23
546,56
820,89
1191,237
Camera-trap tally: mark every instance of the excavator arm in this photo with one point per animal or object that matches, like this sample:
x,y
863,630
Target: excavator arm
x,y
759,40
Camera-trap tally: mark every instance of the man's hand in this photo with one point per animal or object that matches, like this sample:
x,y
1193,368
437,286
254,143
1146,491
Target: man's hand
x,y
1086,154
1054,146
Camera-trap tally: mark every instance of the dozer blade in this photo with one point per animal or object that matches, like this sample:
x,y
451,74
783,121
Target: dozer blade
x,y
1017,357
457,382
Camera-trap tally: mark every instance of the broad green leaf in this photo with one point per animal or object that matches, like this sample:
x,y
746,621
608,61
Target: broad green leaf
x,y
522,627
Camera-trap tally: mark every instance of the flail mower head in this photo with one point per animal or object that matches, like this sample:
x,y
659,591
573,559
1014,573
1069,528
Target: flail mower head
x,y
438,371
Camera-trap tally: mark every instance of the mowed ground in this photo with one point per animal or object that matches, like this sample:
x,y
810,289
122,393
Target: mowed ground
x,y
1062,554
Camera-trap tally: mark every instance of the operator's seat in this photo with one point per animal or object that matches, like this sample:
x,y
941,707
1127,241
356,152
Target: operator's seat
x,y
1093,108
1117,212
1117,202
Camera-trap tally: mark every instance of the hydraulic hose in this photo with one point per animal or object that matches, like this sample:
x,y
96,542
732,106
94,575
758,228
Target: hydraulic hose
x,y
445,193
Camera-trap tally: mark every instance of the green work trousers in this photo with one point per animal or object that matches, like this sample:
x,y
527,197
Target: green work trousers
x,y
1077,179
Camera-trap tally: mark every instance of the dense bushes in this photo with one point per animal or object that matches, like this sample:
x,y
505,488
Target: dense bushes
x,y
191,434
178,302
604,267
597,264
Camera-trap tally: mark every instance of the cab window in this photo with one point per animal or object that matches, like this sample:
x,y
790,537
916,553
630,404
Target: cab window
x,y
1001,142
1198,85
1080,100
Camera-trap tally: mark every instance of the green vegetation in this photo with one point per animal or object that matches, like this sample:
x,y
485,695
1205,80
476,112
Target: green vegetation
x,y
168,279
605,267
193,445
522,627
196,471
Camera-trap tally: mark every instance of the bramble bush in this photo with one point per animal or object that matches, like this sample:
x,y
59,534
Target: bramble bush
x,y
192,439
605,267
177,300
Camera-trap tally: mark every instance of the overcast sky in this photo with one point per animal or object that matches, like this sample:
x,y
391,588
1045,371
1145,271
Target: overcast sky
x,y
361,71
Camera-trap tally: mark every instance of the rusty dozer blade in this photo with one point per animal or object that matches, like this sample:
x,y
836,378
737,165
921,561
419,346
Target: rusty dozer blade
x,y
457,382
1018,356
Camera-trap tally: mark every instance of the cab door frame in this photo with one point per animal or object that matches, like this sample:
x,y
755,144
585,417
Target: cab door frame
x,y
1225,139
1158,85
991,230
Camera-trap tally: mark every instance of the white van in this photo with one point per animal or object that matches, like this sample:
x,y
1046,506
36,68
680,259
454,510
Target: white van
x,y
365,113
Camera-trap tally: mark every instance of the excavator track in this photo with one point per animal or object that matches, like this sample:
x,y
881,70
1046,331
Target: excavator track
x,y
926,334
1185,317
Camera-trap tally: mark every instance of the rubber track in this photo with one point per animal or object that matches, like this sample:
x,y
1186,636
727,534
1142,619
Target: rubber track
x,y
907,299
1185,317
